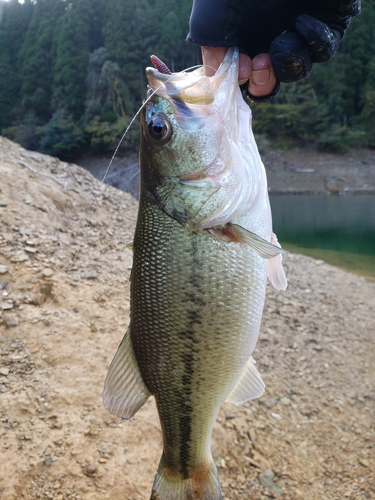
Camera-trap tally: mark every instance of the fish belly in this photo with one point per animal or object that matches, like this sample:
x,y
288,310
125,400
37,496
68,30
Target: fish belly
x,y
196,307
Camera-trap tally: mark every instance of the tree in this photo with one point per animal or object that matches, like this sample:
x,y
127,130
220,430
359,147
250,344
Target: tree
x,y
72,56
105,91
36,57
15,19
130,39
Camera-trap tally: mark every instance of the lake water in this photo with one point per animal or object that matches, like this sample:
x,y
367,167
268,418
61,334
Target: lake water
x,y
337,229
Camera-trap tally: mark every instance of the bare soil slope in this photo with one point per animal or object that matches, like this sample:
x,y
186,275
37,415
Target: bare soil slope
x,y
64,287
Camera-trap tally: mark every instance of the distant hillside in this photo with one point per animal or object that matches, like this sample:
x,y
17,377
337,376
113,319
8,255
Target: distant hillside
x,y
72,76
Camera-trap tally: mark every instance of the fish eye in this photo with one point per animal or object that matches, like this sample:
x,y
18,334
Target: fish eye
x,y
159,129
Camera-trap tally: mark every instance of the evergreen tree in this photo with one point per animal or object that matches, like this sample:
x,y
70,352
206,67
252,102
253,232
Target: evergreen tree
x,y
93,13
130,39
73,73
15,19
36,58
72,56
105,92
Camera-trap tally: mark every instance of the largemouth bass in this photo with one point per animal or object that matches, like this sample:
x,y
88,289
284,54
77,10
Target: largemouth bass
x,y
203,247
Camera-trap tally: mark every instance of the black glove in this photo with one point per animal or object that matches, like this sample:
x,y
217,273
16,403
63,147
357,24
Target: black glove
x,y
295,33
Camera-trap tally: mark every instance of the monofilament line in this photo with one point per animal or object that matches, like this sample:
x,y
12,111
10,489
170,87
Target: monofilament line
x,y
95,202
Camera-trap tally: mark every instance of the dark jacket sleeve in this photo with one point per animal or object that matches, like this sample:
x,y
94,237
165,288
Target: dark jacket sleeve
x,y
295,33
249,24
215,23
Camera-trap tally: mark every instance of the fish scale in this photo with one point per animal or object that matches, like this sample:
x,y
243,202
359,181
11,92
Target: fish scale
x,y
193,334
203,248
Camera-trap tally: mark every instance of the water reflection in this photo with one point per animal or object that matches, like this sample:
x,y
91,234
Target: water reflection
x,y
337,229
340,223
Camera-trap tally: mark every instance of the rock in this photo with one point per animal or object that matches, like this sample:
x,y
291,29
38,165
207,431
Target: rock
x,y
364,462
48,461
47,272
10,320
28,200
33,348
19,256
3,203
285,401
90,470
4,371
266,480
3,269
277,416
252,435
6,306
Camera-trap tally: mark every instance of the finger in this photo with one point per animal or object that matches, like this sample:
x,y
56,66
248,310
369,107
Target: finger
x,y
321,39
263,80
290,57
212,58
245,69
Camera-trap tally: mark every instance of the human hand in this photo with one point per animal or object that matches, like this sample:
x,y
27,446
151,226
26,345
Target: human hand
x,y
258,72
294,34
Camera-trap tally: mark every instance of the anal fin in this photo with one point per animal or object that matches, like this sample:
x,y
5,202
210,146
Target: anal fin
x,y
124,389
249,385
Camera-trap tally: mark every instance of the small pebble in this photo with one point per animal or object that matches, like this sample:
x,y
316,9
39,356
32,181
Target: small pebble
x,y
6,306
364,462
285,401
277,416
90,470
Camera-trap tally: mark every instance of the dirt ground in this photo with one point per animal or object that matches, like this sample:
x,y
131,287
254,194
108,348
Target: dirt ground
x,y
64,286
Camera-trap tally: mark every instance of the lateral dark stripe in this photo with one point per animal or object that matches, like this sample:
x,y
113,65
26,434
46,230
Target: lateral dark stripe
x,y
191,336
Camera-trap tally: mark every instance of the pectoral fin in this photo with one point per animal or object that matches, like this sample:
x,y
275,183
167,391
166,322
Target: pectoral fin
x,y
238,234
124,390
263,247
249,385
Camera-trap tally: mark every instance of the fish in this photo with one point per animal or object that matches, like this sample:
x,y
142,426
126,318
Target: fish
x,y
202,250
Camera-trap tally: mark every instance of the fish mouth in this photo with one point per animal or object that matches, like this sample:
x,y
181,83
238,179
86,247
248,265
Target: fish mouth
x,y
189,87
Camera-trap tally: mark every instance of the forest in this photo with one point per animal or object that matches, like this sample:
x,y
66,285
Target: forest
x,y
72,77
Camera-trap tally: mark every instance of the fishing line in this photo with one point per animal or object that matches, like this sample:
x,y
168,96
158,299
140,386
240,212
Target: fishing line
x,y
103,186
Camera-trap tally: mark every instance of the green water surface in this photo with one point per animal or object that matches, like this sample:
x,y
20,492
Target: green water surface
x,y
337,229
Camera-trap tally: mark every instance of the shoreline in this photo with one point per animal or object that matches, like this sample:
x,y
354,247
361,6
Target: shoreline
x,y
306,171
297,171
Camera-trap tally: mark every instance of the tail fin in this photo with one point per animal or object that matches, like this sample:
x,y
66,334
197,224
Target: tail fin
x,y
204,484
